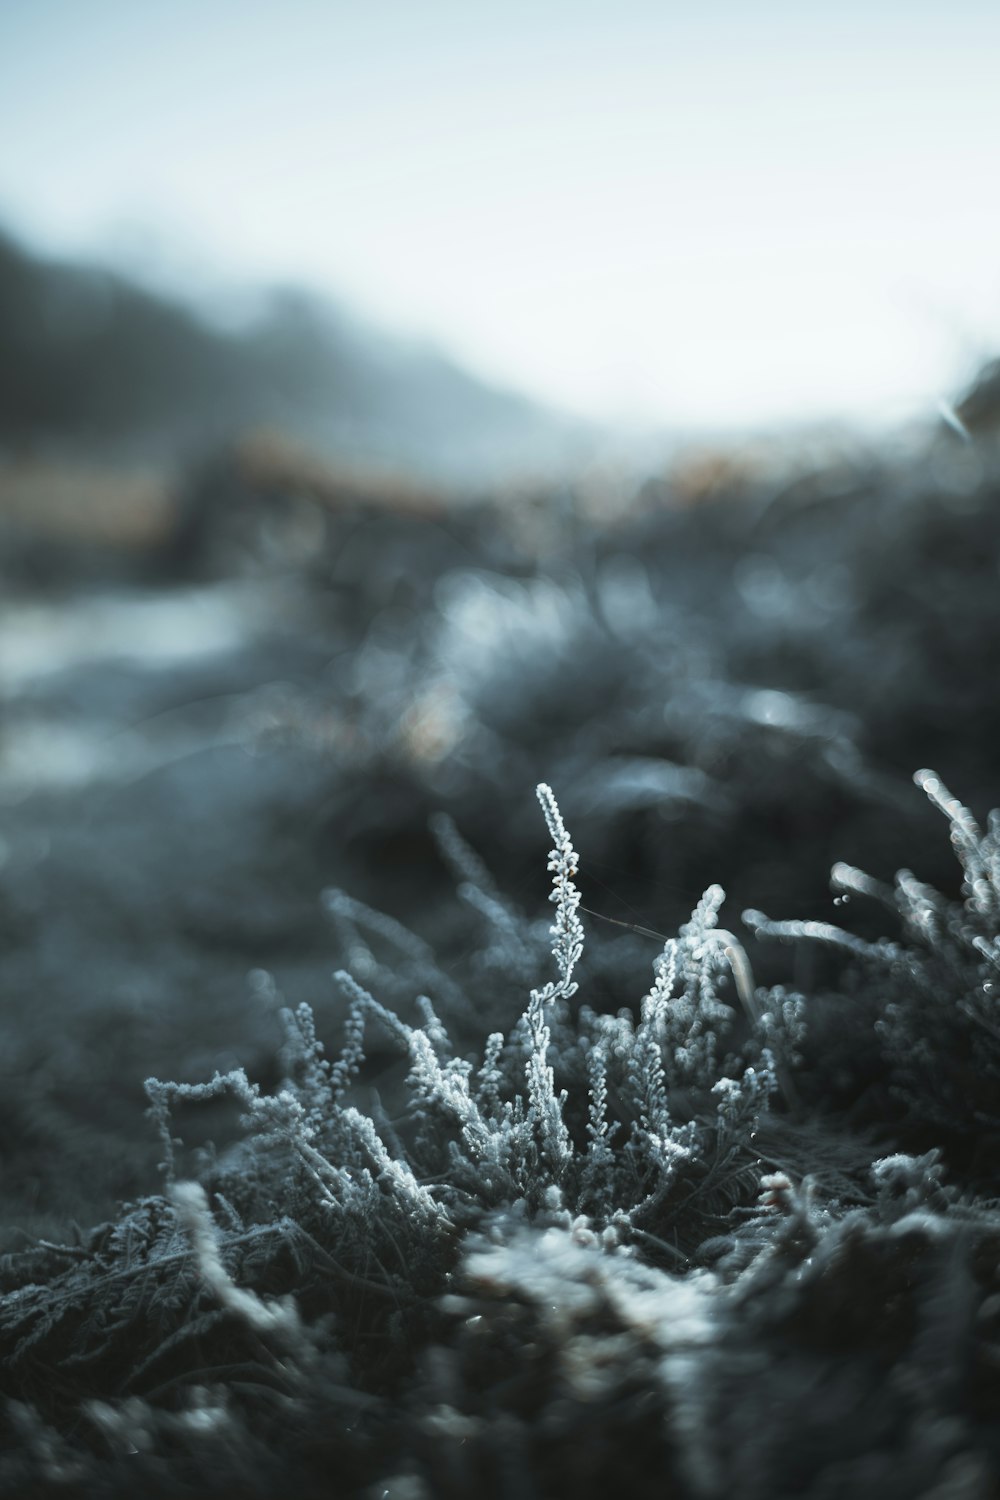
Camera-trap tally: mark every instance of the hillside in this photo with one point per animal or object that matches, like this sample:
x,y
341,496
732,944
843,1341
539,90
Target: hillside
x,y
92,362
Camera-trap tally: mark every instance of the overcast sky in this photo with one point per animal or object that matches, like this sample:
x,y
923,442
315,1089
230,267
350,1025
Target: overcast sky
x,y
711,213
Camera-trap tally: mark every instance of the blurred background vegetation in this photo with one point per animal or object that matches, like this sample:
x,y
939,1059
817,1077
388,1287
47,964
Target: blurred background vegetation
x,y
280,583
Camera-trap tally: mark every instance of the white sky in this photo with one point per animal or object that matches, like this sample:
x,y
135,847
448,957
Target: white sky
x,y
711,212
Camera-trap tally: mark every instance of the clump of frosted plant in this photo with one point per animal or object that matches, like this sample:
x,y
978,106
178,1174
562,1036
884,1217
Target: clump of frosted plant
x,y
612,1114
935,988
309,1262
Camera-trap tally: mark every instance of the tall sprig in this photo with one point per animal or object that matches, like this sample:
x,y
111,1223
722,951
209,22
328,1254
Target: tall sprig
x,y
567,929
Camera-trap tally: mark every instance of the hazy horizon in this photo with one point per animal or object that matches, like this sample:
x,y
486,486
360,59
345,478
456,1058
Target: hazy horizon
x,y
747,215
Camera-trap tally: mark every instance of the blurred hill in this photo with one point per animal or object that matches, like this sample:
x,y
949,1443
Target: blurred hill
x,y
93,365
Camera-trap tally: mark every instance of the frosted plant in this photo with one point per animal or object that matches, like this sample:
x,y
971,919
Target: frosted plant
x,y
570,1101
631,1131
934,989
570,1189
